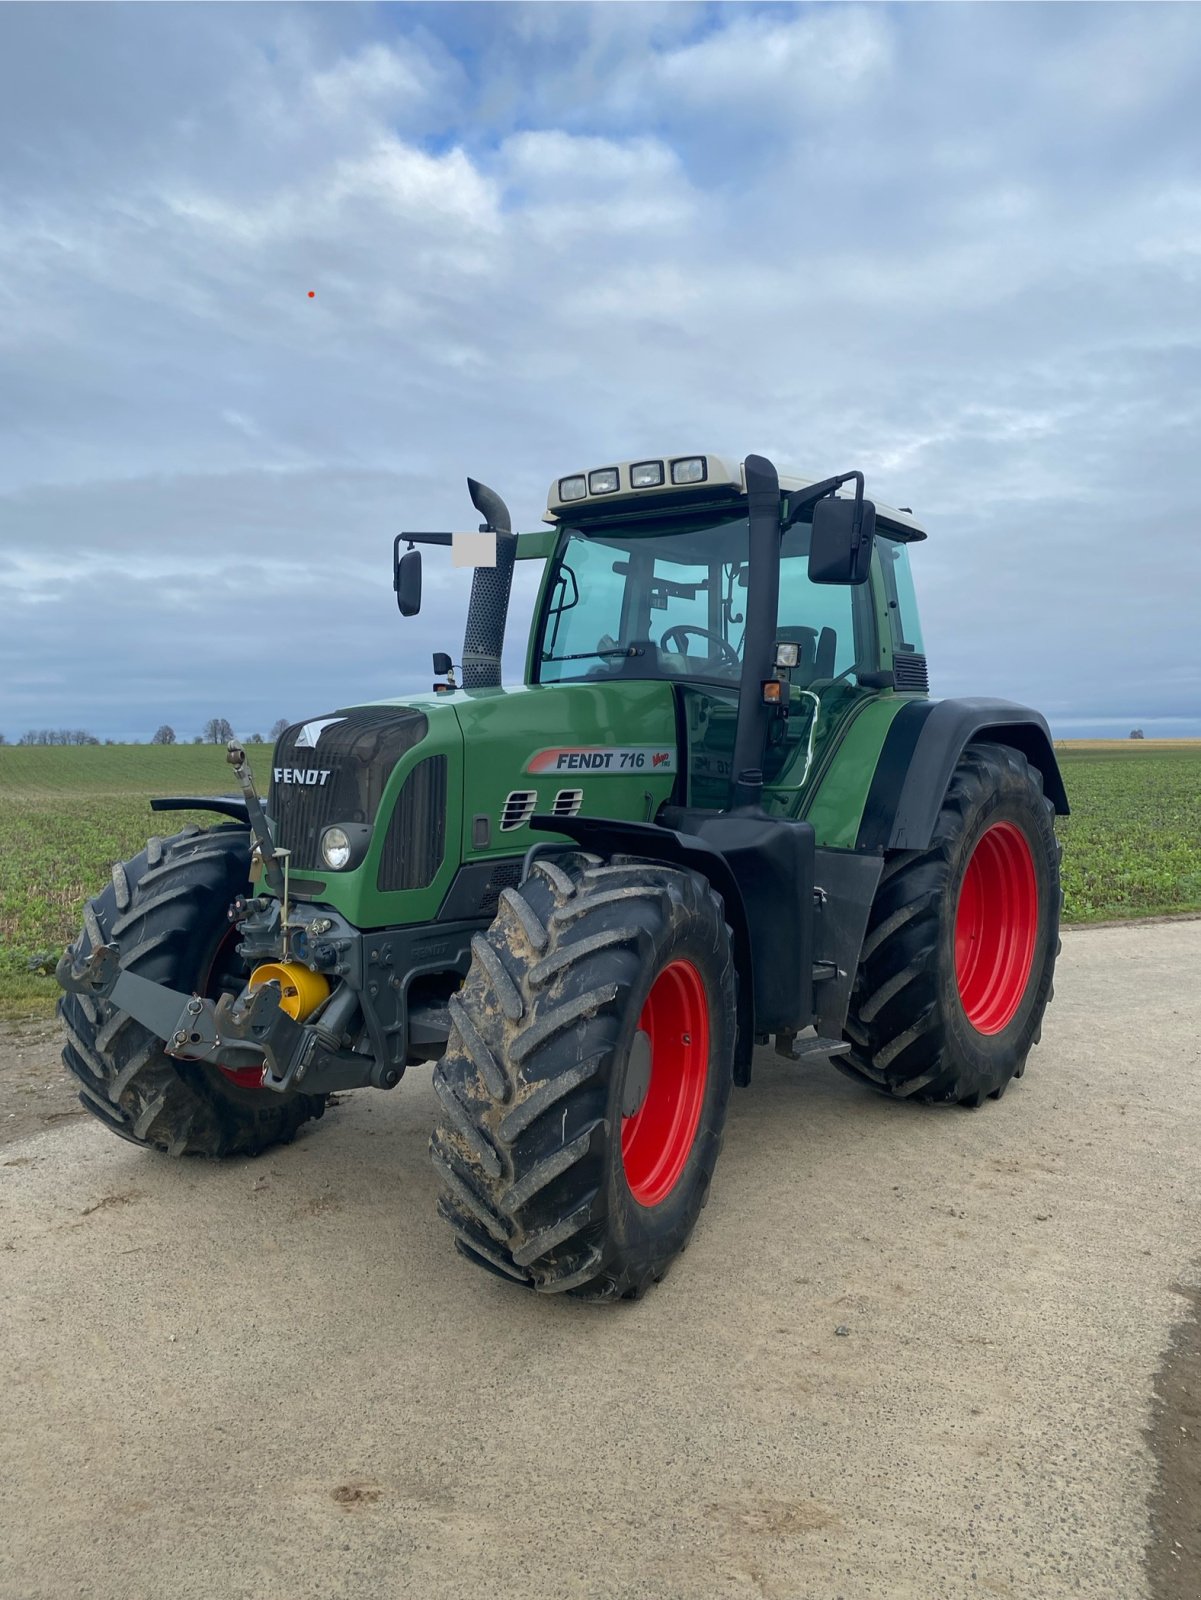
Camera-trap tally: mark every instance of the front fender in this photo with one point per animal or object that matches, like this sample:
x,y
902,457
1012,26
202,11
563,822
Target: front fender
x,y
226,805
608,836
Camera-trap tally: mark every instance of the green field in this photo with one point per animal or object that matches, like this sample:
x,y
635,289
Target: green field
x,y
1132,846
66,814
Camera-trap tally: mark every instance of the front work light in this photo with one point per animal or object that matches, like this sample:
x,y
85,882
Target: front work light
x,y
573,488
335,848
690,469
646,475
603,482
788,655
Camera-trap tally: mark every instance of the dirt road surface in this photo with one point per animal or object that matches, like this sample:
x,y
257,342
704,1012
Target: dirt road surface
x,y
273,1380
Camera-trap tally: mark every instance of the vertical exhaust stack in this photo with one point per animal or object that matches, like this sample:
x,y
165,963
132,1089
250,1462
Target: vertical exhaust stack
x,y
484,638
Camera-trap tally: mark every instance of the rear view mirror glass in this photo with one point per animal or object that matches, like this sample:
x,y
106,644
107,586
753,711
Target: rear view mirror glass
x,y
840,545
407,583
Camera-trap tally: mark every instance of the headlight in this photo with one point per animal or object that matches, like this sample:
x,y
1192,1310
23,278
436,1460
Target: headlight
x,y
690,469
573,488
603,482
335,848
646,474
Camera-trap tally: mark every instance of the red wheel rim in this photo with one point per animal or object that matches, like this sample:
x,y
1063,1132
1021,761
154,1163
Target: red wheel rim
x,y
996,925
657,1140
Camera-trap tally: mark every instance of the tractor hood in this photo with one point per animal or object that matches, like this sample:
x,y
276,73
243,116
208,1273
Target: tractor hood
x,y
437,783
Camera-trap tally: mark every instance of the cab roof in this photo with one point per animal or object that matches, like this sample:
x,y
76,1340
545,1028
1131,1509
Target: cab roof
x,y
700,480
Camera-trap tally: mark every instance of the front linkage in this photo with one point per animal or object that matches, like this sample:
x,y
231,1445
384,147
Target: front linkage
x,y
234,1031
259,1026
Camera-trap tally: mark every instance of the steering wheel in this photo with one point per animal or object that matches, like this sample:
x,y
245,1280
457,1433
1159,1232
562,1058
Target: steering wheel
x,y
729,655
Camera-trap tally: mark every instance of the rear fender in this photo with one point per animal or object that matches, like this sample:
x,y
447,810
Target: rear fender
x,y
920,752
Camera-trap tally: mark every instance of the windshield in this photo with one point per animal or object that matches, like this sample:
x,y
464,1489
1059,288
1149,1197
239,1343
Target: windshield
x,y
652,602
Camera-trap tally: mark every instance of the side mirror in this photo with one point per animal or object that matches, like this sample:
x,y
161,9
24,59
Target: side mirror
x,y
442,663
406,580
840,545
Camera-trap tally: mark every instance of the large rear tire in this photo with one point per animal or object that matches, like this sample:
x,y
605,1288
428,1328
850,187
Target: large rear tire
x,y
167,911
957,965
585,1085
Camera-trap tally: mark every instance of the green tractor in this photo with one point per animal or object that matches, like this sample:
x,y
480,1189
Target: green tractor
x,y
721,811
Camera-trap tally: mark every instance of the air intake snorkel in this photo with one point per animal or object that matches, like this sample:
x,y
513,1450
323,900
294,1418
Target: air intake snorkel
x,y
484,638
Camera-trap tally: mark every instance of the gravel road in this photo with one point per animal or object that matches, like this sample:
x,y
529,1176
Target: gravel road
x,y
273,1380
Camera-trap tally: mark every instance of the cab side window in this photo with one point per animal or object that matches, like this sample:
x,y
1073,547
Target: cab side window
x,y
832,623
905,628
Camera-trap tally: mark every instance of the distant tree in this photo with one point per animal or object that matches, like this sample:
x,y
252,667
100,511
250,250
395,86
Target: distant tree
x,y
217,731
3,740
280,725
256,738
1137,733
198,738
165,735
58,736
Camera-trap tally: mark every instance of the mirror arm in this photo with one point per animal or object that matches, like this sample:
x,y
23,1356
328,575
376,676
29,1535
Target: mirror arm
x,y
857,524
421,538
819,491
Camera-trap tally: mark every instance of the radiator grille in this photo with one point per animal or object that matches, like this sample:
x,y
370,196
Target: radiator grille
x,y
909,672
416,839
358,750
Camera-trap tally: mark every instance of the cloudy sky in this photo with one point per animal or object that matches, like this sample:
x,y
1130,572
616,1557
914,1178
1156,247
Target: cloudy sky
x,y
956,246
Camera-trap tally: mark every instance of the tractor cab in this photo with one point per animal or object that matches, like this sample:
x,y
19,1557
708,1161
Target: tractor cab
x,y
651,578
769,603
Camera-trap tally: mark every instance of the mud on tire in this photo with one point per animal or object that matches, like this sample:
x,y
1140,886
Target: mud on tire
x,y
167,910
537,1073
908,1025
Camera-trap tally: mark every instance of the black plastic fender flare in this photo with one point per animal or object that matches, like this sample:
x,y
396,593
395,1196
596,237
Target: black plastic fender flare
x,y
919,754
226,805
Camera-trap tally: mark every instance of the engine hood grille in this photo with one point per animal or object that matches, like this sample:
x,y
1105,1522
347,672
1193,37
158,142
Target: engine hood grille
x,y
335,769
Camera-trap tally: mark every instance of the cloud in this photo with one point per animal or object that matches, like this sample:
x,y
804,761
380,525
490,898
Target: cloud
x,y
816,60
938,243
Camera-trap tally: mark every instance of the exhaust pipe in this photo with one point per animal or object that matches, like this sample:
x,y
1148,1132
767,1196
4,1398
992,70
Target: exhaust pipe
x,y
484,638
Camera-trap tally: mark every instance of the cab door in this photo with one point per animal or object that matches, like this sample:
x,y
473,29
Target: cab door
x,y
834,626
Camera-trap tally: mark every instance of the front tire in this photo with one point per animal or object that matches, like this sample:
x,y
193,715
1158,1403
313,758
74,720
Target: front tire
x,y
957,965
585,1085
167,911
